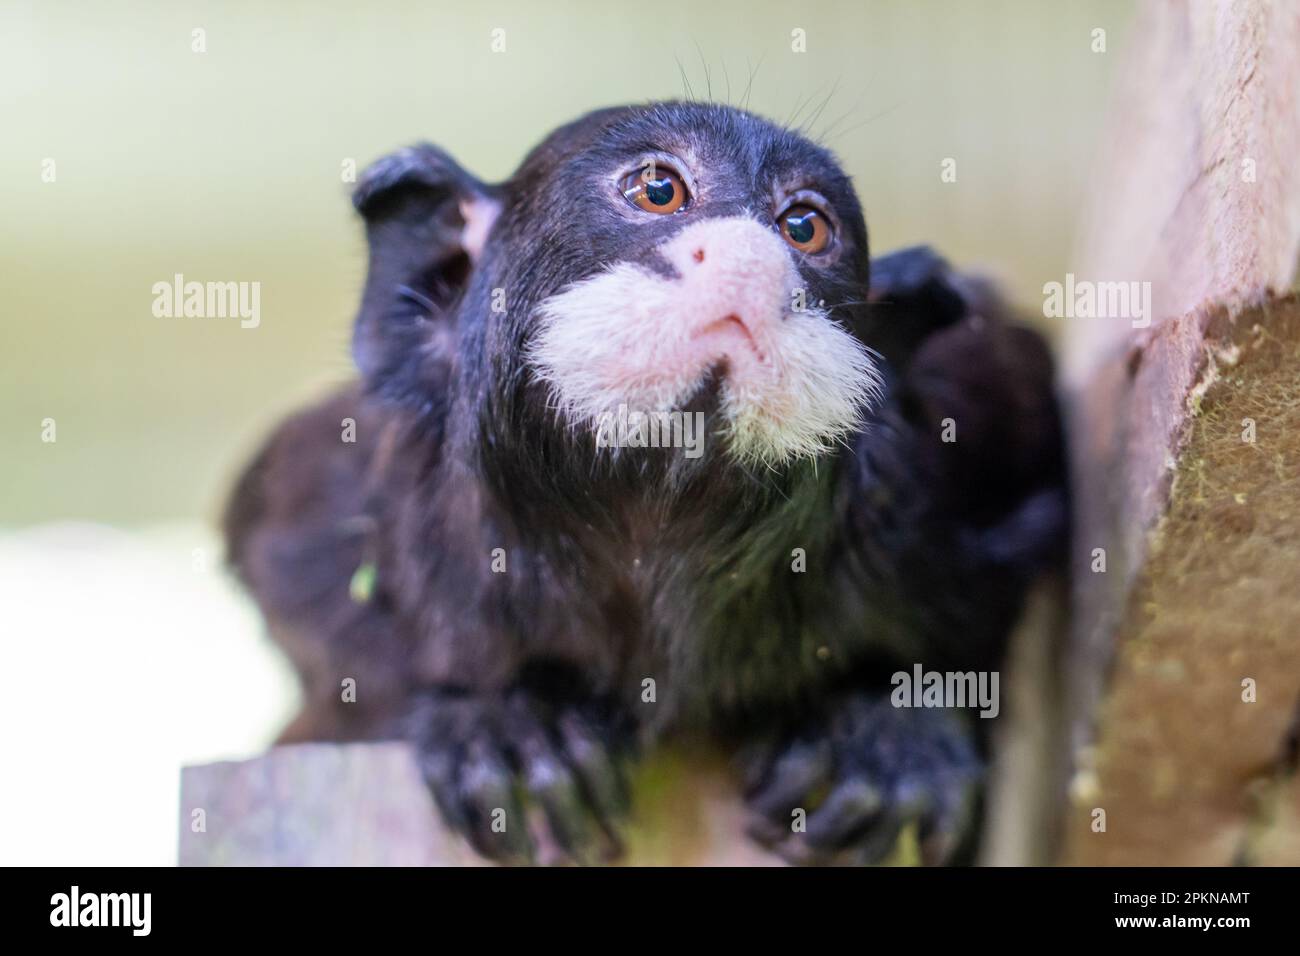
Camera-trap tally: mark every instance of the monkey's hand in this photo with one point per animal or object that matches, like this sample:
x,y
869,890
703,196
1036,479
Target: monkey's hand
x,y
490,758
844,789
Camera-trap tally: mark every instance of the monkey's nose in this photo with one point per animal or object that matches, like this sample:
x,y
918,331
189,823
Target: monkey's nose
x,y
731,328
736,275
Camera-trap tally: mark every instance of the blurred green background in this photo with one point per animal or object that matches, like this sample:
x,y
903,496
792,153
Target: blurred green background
x,y
226,165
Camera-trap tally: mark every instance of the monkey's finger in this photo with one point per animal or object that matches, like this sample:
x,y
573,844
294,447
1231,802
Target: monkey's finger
x,y
943,832
882,836
799,771
754,761
845,813
496,826
439,768
554,786
597,770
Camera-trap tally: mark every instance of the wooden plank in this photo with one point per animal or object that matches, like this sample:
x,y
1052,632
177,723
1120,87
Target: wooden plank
x,y
365,805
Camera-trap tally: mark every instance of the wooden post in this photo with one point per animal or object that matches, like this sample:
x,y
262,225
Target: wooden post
x,y
1186,446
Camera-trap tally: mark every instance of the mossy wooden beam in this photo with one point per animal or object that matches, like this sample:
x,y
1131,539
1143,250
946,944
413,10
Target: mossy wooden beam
x,y
1195,744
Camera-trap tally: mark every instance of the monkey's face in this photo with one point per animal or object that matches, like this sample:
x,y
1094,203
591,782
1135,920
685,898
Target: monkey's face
x,y
687,248
649,260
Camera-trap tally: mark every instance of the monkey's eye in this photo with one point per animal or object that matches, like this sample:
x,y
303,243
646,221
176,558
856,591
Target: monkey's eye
x,y
654,189
805,228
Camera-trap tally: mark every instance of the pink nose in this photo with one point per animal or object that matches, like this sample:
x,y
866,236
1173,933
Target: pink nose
x,y
734,272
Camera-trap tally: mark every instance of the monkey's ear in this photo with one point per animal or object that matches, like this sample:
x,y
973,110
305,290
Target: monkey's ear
x,y
426,223
913,294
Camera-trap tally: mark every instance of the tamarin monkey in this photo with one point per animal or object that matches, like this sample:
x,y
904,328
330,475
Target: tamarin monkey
x,y
532,598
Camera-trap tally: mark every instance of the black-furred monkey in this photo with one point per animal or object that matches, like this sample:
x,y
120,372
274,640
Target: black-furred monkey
x,y
878,479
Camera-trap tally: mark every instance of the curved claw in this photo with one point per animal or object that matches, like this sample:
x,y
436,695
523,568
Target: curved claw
x,y
867,774
488,760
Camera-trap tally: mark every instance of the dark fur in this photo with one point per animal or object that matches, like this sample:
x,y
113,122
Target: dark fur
x,y
647,564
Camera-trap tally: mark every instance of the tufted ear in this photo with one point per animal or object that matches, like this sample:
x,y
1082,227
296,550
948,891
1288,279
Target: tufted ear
x,y
914,293
426,223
